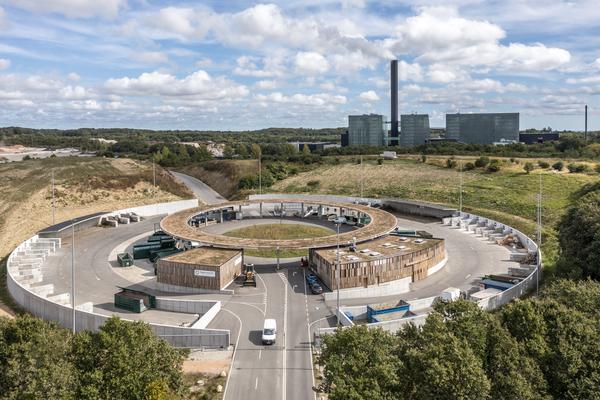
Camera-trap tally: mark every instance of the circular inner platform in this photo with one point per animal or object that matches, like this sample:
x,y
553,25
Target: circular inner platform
x,y
181,224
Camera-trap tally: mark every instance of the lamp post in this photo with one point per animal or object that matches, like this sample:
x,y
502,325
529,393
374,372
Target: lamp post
x,y
339,271
73,270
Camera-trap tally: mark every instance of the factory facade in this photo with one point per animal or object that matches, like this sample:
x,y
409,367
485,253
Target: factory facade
x,y
485,128
414,129
366,130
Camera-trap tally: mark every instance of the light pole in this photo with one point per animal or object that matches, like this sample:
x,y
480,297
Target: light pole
x,y
53,207
73,271
362,177
277,250
460,195
259,173
339,271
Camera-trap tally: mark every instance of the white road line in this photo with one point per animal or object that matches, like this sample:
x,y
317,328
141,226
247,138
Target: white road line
x,y
284,383
259,354
256,383
234,352
247,304
312,366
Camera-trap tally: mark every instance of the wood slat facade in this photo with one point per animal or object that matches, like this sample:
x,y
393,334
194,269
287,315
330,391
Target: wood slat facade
x,y
412,263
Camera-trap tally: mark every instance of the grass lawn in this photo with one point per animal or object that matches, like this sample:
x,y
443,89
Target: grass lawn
x,y
508,195
279,232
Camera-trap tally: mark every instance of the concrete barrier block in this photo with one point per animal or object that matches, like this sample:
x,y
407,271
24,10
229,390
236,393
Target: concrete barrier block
x,y
43,290
62,298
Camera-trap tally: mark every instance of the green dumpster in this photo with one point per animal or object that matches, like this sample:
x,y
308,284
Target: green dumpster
x,y
125,260
143,250
134,300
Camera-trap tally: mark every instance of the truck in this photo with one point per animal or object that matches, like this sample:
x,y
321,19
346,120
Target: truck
x,y
249,275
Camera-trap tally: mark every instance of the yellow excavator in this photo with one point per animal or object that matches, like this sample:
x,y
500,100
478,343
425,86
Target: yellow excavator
x,y
249,275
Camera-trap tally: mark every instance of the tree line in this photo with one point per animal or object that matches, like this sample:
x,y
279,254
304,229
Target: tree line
x,y
544,347
123,360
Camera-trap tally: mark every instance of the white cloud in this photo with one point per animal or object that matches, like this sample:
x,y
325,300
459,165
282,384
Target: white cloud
x,y
150,57
74,93
4,63
588,79
204,62
311,63
267,84
72,9
369,95
409,72
198,86
272,66
319,99
73,77
596,63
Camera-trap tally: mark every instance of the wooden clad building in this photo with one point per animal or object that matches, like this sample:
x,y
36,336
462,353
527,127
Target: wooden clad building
x,y
201,268
387,259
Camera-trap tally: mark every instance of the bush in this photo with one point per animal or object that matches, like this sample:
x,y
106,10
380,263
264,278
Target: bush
x,y
494,166
482,162
27,157
424,158
543,164
577,168
528,167
512,160
559,165
469,166
597,168
380,161
313,184
450,163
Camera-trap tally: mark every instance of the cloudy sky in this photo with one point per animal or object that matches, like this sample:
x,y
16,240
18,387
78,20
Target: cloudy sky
x,y
242,65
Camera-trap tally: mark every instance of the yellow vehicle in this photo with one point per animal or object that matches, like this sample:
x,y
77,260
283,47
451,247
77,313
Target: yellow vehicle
x,y
249,275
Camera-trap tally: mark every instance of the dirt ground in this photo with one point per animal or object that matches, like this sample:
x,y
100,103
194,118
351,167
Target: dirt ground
x,y
208,362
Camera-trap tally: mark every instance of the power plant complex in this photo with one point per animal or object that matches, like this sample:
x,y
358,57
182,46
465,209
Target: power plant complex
x,y
414,130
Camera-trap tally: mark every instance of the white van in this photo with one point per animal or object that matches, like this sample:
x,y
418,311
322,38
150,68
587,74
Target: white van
x,y
269,333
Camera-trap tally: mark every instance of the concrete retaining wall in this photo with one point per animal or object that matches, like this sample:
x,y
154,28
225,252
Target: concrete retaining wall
x,y
385,289
42,307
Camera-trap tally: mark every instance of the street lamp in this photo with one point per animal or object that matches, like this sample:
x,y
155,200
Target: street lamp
x,y
73,270
339,271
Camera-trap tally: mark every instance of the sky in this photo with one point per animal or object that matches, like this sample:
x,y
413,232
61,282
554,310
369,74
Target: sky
x,y
238,65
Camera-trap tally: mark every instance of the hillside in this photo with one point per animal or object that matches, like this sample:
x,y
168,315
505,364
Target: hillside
x,y
83,185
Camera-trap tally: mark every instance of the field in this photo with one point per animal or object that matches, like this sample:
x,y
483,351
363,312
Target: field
x,y
83,185
280,232
508,195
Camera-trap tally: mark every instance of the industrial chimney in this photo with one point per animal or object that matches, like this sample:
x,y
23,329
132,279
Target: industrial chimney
x,y
394,96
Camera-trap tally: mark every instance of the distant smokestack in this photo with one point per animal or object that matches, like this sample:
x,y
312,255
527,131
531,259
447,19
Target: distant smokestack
x,y
585,133
394,95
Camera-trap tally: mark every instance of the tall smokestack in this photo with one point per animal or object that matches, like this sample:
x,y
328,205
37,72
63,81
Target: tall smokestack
x,y
394,96
585,133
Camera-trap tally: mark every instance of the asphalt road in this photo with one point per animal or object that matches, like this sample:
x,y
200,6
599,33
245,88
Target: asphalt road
x,y
202,191
284,370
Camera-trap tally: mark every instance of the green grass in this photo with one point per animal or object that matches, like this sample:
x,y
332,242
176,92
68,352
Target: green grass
x,y
279,232
508,195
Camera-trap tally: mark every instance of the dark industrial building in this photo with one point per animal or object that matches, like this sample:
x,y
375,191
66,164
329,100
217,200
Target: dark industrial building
x,y
368,130
315,146
414,129
394,103
538,137
482,128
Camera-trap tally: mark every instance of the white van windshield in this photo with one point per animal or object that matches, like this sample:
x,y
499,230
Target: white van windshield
x,y
269,332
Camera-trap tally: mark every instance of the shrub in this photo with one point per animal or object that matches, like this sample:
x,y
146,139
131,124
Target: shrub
x,y
469,166
528,167
512,160
424,158
482,162
450,163
577,168
27,157
543,164
494,166
597,168
313,184
380,161
559,165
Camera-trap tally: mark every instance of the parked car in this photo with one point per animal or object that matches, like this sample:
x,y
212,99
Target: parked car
x,y
332,217
311,278
315,288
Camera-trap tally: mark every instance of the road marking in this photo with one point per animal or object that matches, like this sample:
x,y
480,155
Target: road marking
x,y
312,366
468,276
234,352
256,383
249,305
259,355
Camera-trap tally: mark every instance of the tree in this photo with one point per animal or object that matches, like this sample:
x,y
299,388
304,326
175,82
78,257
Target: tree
x,y
305,150
482,162
559,165
256,151
438,365
579,237
451,163
543,164
494,166
123,359
34,360
512,373
359,363
528,167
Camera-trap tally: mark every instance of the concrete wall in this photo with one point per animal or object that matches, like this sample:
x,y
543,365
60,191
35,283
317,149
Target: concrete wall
x,y
384,289
42,307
